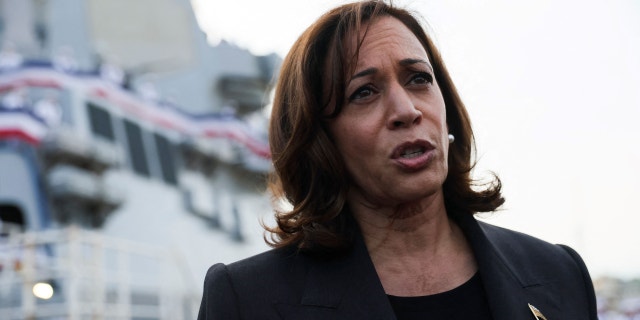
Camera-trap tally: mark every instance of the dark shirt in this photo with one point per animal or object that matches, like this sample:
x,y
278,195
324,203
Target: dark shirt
x,y
467,301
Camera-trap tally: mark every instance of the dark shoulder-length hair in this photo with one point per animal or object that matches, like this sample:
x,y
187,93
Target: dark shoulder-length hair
x,y
309,172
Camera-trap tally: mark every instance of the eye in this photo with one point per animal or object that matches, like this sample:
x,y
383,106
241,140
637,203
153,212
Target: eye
x,y
362,93
421,78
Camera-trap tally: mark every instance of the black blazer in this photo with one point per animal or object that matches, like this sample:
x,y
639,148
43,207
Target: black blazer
x,y
517,271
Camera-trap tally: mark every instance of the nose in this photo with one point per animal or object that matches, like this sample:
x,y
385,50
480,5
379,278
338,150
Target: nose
x,y
401,110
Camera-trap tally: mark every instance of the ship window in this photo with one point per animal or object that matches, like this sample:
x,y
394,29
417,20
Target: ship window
x,y
136,148
166,154
11,218
100,121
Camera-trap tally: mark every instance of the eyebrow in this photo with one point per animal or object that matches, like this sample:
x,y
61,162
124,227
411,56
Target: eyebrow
x,y
410,61
403,62
364,73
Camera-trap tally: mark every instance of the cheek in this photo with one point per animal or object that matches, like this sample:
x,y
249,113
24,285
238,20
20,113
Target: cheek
x,y
350,151
355,140
356,145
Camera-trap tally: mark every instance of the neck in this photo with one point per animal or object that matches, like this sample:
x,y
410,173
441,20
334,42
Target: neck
x,y
415,248
404,228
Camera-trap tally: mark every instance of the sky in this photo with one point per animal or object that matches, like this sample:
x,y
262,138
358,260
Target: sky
x,y
553,91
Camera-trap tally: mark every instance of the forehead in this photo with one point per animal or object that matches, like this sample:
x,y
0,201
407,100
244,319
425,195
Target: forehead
x,y
383,36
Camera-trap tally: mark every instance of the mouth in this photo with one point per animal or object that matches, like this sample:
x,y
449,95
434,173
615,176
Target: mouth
x,y
410,150
412,153
413,156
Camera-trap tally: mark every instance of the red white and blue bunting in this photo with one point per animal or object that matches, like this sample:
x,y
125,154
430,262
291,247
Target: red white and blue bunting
x,y
19,119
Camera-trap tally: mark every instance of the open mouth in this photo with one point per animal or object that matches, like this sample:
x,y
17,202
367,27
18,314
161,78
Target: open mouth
x,y
412,152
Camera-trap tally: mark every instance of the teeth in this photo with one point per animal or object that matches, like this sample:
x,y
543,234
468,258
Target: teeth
x,y
412,152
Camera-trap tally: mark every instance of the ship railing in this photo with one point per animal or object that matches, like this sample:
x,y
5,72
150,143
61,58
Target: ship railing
x,y
73,273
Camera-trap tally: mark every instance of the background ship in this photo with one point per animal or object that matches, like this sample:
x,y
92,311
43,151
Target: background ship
x,y
133,155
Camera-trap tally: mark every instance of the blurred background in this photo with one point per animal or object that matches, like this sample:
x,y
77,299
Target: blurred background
x,y
133,144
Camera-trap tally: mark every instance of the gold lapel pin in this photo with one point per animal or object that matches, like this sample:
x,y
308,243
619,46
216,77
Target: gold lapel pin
x,y
536,312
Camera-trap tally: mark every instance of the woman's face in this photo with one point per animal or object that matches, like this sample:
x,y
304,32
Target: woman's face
x,y
392,130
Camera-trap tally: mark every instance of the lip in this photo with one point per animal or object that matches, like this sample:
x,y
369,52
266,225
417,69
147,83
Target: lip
x,y
415,163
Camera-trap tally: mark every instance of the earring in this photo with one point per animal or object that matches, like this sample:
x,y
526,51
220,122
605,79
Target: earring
x,y
451,138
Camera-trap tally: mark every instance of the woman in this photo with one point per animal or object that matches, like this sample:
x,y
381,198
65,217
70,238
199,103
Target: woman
x,y
372,147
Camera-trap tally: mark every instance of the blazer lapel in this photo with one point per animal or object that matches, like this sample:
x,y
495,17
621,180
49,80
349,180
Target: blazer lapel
x,y
510,293
343,288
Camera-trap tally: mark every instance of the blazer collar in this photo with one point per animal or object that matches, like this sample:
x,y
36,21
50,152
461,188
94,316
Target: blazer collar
x,y
350,283
506,285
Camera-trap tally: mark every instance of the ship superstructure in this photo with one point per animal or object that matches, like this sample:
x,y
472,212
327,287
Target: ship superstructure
x,y
124,175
